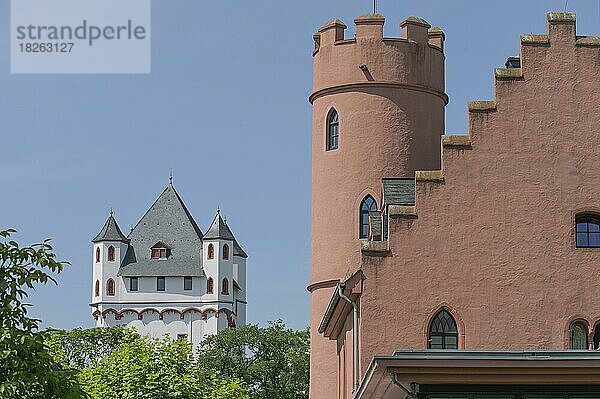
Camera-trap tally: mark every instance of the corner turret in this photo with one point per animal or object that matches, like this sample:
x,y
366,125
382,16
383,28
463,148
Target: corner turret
x,y
109,249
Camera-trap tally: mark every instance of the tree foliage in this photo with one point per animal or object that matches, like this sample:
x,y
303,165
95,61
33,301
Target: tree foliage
x,y
116,363
155,369
273,362
27,368
82,348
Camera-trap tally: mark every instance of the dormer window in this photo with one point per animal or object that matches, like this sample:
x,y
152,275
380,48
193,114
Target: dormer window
x,y
160,251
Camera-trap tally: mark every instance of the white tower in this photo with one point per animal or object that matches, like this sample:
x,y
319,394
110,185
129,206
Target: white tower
x,y
110,247
221,264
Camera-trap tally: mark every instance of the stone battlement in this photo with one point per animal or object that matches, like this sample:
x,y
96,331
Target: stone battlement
x,y
416,58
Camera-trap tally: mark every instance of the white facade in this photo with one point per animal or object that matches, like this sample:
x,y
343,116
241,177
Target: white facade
x,y
175,312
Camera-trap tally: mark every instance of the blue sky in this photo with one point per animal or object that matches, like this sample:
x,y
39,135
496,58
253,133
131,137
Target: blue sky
x,y
226,108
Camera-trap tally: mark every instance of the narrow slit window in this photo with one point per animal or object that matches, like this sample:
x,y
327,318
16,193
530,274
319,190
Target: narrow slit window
x,y
111,254
110,287
333,130
187,283
225,252
133,284
160,284
225,287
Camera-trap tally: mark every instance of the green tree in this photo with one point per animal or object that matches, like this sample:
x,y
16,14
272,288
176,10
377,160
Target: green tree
x,y
273,362
81,348
155,369
27,369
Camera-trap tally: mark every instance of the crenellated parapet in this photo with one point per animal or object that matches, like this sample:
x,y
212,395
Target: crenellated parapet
x,y
550,87
413,60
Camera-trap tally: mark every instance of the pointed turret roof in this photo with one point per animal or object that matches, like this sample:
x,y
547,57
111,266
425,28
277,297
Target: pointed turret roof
x,y
110,231
219,230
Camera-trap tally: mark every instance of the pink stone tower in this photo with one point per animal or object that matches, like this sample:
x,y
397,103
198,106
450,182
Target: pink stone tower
x,y
389,97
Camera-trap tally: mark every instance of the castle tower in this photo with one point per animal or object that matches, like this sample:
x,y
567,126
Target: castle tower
x,y
109,248
167,277
218,266
378,111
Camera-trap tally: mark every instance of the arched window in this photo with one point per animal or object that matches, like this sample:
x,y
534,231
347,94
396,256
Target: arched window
x,y
225,251
97,288
588,231
97,254
111,254
210,286
333,130
578,336
443,333
110,287
211,251
225,287
368,204
597,337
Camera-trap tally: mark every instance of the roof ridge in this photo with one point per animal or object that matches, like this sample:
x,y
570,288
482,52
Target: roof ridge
x,y
185,209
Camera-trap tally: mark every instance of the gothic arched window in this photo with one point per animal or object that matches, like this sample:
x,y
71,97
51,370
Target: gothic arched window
x,y
111,254
588,231
97,254
333,130
225,287
578,332
443,333
97,288
225,251
368,204
210,286
211,251
110,287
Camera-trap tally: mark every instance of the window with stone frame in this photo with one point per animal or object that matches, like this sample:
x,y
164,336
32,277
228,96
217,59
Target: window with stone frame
x,y
443,333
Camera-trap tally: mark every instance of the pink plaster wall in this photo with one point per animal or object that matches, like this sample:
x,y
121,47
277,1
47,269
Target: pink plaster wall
x,y
495,240
391,118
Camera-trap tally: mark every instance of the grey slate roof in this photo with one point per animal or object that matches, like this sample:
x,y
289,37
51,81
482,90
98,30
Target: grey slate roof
x,y
237,250
167,221
220,230
110,231
398,191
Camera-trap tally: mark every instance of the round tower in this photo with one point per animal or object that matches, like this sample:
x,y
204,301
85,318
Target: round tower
x,y
378,111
